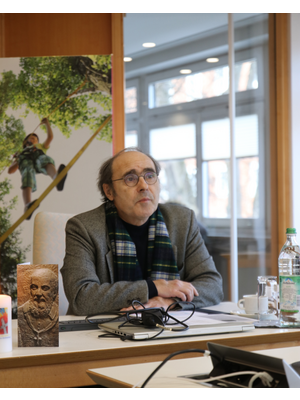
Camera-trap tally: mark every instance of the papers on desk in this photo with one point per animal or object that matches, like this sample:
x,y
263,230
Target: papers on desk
x,y
205,319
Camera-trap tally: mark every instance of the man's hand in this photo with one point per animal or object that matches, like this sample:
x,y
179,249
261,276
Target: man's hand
x,y
175,288
154,302
44,121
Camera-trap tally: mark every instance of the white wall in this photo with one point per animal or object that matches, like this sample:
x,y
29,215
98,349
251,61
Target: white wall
x,y
295,117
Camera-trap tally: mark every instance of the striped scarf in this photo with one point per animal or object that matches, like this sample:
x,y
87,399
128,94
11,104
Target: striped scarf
x,y
160,258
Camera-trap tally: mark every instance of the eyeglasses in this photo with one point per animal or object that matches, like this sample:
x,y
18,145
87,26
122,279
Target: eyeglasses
x,y
132,179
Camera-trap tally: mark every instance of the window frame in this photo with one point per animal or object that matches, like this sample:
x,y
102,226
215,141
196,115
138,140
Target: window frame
x,y
223,224
202,66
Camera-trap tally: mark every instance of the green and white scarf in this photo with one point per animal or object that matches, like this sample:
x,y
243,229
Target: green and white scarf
x,y
160,259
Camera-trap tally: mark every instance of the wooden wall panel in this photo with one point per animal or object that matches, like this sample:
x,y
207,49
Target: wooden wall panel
x,y
1,35
29,35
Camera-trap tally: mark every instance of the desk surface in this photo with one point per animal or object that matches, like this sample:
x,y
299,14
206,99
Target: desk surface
x,y
170,374
66,365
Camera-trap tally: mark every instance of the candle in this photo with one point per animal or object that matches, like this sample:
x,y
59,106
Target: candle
x,y
5,324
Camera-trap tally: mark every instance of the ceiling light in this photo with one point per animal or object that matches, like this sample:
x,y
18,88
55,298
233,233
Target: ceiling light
x,y
127,59
149,44
212,60
185,71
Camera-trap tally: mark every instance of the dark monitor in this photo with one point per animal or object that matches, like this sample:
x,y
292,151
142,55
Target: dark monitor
x,y
227,360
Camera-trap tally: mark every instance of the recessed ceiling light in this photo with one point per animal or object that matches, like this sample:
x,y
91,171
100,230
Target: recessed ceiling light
x,y
149,44
212,60
185,71
127,59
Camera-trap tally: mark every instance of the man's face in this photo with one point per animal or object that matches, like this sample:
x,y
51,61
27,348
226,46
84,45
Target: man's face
x,y
32,139
41,291
134,204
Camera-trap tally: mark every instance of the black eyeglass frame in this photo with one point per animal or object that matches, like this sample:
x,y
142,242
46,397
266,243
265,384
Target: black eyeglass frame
x,y
138,178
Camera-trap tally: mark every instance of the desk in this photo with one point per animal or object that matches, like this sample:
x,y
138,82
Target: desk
x,y
167,376
66,366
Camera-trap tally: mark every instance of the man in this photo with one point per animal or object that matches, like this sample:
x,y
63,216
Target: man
x,y
32,160
38,317
130,248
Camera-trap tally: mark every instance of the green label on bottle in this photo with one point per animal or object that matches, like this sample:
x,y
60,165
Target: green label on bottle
x,y
289,293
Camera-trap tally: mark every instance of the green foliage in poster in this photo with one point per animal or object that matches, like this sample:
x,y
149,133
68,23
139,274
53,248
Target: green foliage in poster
x,y
12,134
11,250
45,82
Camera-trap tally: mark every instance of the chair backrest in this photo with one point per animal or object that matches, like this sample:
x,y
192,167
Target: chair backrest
x,y
49,246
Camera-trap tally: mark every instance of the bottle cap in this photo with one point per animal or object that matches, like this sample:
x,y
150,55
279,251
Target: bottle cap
x,y
291,231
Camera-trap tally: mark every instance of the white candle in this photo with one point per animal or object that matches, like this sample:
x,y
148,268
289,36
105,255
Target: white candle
x,y
5,324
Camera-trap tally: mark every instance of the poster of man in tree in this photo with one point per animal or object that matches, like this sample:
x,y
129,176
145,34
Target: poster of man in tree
x,y
62,101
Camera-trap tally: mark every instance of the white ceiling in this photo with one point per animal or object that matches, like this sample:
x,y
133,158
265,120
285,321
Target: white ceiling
x,y
182,39
166,28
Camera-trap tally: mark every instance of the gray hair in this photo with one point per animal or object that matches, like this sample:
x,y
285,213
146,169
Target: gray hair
x,y
105,172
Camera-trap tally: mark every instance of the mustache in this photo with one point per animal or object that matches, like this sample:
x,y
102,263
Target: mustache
x,y
148,196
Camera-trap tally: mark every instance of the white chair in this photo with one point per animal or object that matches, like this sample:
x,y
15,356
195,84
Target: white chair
x,y
49,246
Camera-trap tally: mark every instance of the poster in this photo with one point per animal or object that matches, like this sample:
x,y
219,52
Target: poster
x,y
74,96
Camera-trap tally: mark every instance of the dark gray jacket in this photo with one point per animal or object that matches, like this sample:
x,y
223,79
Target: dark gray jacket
x,y
88,270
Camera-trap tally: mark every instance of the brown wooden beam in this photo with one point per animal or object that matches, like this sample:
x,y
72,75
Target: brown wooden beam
x,y
118,83
280,132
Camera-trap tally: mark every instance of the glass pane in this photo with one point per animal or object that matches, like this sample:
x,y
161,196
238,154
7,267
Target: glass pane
x,y
131,139
253,196
216,181
130,100
247,201
178,181
173,142
215,186
201,85
218,131
246,75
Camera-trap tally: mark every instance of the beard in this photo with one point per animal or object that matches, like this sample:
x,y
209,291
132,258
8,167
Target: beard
x,y
37,312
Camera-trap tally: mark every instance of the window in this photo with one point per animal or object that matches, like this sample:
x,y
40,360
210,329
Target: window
x,y
132,107
182,120
130,100
216,167
205,84
131,139
186,127
178,176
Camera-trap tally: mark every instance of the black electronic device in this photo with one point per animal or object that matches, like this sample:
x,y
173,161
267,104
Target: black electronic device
x,y
78,325
228,360
152,317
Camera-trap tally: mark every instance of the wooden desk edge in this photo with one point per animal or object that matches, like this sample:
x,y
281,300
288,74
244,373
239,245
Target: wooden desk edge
x,y
271,340
107,381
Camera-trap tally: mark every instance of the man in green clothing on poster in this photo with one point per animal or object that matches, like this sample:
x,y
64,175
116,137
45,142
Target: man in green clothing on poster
x,y
32,160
